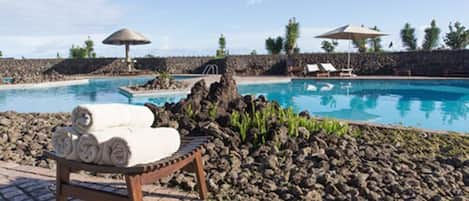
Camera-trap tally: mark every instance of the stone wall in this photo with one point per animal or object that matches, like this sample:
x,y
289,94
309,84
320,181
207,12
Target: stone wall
x,y
422,63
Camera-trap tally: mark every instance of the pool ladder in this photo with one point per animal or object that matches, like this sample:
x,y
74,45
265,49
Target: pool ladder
x,y
210,69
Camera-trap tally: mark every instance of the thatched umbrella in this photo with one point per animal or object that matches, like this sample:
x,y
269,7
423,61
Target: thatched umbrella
x,y
126,37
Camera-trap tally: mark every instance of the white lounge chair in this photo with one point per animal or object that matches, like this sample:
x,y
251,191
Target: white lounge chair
x,y
313,68
331,69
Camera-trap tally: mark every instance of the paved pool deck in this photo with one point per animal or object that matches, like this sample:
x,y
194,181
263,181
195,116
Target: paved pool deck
x,y
44,84
27,183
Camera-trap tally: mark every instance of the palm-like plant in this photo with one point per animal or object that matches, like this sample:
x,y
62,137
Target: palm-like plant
x,y
408,37
431,36
291,36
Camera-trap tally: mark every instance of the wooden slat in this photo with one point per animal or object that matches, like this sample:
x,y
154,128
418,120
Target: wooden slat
x,y
152,176
89,194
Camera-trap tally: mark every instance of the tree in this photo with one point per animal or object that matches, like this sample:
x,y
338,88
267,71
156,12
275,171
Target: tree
x,y
253,52
360,44
274,46
87,51
432,34
329,46
408,37
89,46
221,51
1,54
58,55
292,33
375,43
77,52
457,37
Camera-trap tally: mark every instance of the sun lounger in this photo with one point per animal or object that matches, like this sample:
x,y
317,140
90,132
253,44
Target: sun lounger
x,y
328,67
188,157
314,69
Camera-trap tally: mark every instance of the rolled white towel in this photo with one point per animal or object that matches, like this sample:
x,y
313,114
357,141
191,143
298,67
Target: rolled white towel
x,y
144,146
64,141
88,118
124,147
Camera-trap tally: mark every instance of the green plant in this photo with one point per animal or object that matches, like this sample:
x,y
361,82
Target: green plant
x,y
408,37
87,51
221,51
431,36
375,43
360,44
457,37
292,33
1,54
274,46
334,127
212,111
164,75
189,112
329,46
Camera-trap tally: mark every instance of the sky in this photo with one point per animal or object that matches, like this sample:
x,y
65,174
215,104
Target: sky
x,y
43,28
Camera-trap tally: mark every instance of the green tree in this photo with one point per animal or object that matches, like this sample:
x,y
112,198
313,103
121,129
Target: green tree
x,y
432,34
87,51
89,46
58,55
329,46
253,52
77,52
274,46
360,44
221,51
457,37
375,43
408,37
292,33
1,54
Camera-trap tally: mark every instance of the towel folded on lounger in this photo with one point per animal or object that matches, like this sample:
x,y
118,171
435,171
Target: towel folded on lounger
x,y
125,146
64,142
94,117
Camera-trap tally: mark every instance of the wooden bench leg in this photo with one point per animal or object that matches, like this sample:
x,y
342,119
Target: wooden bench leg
x,y
62,177
200,174
134,187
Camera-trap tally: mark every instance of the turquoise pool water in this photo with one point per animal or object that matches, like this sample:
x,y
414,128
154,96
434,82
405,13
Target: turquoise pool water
x,y
431,104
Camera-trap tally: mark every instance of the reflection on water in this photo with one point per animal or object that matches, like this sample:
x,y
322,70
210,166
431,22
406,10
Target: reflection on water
x,y
433,104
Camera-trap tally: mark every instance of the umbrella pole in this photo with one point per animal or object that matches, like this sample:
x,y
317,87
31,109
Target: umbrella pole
x,y
127,58
348,55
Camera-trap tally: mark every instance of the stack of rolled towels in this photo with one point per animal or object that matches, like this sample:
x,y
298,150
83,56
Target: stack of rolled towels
x,y
114,134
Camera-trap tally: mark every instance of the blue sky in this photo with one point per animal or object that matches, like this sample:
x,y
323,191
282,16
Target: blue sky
x,y
41,28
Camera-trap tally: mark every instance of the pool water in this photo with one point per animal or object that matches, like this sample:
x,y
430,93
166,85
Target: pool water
x,y
431,104
64,99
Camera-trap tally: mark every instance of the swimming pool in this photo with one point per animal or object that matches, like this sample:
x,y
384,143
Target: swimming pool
x,y
431,104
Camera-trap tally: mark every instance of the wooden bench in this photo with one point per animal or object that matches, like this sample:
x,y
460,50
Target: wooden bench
x,y
188,157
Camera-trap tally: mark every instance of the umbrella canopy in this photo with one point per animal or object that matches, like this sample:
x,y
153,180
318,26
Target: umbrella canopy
x,y
126,37
350,32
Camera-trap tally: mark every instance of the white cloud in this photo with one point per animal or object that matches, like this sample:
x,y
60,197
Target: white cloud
x,y
43,28
32,17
